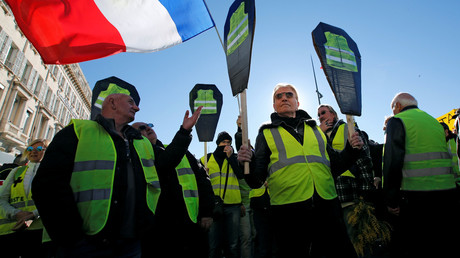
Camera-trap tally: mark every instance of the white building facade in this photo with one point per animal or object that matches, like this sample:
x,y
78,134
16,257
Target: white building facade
x,y
36,100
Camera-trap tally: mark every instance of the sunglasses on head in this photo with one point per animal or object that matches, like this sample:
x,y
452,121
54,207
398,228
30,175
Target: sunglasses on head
x,y
144,127
288,95
39,148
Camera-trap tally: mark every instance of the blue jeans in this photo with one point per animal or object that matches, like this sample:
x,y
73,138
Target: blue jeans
x,y
119,248
223,235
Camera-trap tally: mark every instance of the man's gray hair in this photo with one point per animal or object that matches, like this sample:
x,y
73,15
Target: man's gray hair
x,y
405,99
285,85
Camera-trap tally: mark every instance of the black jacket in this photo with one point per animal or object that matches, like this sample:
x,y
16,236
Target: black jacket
x,y
129,216
5,170
171,203
393,160
340,161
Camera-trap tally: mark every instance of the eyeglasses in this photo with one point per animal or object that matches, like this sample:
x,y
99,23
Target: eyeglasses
x,y
322,113
288,95
144,127
39,148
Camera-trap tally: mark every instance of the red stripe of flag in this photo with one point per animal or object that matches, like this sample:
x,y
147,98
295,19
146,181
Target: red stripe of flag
x,y
73,27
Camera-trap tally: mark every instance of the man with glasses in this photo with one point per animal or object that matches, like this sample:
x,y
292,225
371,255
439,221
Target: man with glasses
x,y
292,154
184,211
97,187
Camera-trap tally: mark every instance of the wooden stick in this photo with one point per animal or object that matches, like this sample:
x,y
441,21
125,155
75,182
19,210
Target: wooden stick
x,y
205,155
351,125
244,126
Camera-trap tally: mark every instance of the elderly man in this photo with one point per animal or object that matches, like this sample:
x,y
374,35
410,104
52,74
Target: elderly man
x,y
419,184
292,154
184,208
97,187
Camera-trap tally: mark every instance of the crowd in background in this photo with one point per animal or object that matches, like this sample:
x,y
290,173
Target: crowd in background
x,y
314,187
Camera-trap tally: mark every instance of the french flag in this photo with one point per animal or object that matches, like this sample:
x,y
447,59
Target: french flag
x,y
71,31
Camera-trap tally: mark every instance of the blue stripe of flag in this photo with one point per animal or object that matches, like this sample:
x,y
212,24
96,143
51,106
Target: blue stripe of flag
x,y
190,16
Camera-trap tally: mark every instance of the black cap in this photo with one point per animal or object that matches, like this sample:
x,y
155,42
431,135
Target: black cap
x,y
223,136
108,86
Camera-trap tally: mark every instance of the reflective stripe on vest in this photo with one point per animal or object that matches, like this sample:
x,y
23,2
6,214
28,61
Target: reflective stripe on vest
x,y
258,192
339,142
218,176
94,171
239,29
295,171
206,99
189,187
111,89
338,54
427,164
19,200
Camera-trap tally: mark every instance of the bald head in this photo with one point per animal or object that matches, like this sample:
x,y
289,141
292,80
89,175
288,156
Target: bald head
x,y
119,107
402,100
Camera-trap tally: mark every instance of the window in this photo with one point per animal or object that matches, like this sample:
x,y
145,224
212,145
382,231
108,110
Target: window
x,y
33,79
57,107
16,111
43,126
26,74
38,86
11,56
5,43
27,121
50,133
47,97
19,64
55,71
52,101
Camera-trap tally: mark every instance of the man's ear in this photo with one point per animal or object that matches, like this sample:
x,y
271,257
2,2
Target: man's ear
x,y
112,103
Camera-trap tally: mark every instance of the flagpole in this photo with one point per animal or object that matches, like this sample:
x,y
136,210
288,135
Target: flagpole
x,y
314,75
215,27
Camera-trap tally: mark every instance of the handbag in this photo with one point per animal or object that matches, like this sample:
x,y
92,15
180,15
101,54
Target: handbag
x,y
218,210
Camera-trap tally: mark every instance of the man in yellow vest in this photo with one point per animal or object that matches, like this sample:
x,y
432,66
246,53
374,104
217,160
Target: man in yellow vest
x,y
97,187
292,154
184,208
419,184
224,172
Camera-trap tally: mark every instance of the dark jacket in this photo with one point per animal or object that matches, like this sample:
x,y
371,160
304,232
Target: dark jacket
x,y
348,188
340,161
129,216
220,156
5,170
171,201
393,160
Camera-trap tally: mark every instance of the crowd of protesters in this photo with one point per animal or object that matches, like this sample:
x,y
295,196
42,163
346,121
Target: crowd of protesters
x,y
315,187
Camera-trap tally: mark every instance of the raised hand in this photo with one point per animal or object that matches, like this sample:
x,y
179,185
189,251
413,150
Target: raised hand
x,y
189,122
